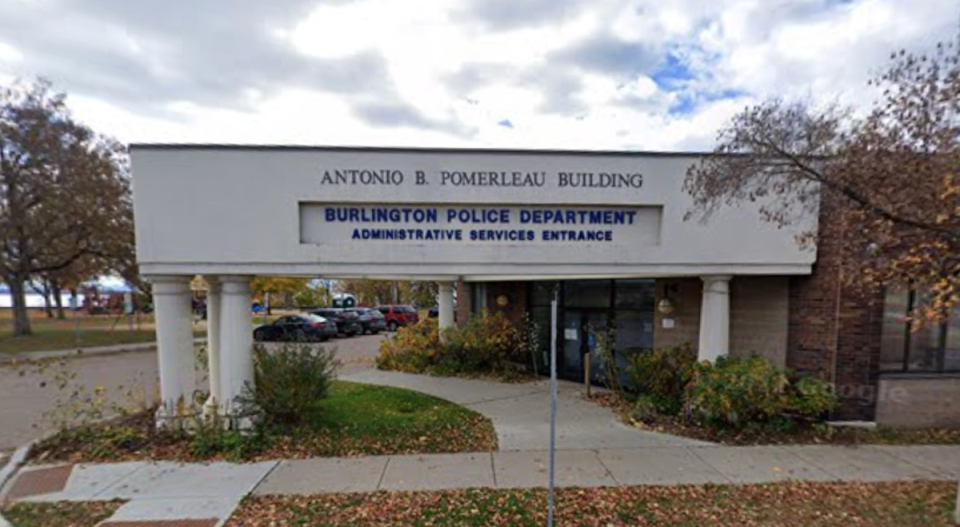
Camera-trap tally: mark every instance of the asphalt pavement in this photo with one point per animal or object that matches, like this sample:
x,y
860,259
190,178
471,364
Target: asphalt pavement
x,y
29,394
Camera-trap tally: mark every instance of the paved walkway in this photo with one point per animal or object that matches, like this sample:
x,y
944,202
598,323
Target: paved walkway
x,y
210,492
521,412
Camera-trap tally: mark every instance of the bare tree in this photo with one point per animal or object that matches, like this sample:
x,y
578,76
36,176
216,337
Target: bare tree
x,y
892,175
64,191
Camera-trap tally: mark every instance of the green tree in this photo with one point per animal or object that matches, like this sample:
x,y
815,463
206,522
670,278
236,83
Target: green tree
x,y
64,192
282,290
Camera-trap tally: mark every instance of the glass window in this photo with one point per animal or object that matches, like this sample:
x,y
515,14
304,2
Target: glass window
x,y
925,348
893,343
542,293
634,331
587,293
635,294
906,346
478,300
951,352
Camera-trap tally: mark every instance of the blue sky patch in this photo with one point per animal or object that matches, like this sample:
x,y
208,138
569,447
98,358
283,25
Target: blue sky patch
x,y
673,74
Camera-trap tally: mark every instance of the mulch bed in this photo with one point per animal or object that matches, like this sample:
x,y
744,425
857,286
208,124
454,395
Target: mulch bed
x,y
61,514
776,505
802,433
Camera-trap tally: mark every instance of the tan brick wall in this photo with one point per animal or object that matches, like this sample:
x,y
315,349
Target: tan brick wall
x,y
686,317
919,402
464,302
759,308
759,313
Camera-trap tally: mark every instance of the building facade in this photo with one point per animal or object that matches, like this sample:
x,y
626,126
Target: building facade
x,y
604,232
858,339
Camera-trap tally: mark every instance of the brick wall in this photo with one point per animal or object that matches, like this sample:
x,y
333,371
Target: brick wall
x,y
686,316
834,329
464,302
759,308
920,402
516,293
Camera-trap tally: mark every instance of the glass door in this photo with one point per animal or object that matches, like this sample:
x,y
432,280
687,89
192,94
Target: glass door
x,y
573,345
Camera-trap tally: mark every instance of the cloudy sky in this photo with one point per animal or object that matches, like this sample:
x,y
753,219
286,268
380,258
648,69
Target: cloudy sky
x,y
584,74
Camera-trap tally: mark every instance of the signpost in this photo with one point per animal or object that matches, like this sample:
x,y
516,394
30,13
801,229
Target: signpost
x,y
553,400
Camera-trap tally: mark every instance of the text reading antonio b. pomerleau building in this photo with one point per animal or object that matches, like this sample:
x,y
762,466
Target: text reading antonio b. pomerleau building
x,y
509,228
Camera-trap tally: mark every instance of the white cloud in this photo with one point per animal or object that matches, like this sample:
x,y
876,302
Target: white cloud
x,y
9,53
426,74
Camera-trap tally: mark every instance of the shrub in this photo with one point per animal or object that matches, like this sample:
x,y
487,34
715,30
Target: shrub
x,y
412,349
736,391
752,391
289,381
210,438
645,409
483,345
662,374
811,397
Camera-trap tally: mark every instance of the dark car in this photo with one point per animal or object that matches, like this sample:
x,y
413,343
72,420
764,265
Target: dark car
x,y
434,312
370,319
348,322
397,316
296,328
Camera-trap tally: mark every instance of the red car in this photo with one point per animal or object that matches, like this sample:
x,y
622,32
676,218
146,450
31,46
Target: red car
x,y
397,316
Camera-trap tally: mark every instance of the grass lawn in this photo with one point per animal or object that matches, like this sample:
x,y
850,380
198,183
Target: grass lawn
x,y
47,340
362,419
63,514
94,331
786,505
354,420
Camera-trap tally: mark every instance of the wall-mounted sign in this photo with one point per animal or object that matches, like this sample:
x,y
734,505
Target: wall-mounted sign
x,y
426,224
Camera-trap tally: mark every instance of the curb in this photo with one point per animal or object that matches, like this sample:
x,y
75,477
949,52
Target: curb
x,y
8,471
81,352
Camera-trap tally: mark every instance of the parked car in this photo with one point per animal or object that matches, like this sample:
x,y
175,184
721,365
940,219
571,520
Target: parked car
x,y
434,312
397,316
370,319
296,328
348,322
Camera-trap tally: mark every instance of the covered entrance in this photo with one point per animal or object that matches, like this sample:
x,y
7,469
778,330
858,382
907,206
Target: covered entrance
x,y
606,226
621,308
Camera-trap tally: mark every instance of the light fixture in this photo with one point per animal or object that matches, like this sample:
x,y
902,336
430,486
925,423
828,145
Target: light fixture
x,y
502,300
666,306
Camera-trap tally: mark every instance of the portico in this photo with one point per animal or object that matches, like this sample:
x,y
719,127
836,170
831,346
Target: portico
x,y
468,217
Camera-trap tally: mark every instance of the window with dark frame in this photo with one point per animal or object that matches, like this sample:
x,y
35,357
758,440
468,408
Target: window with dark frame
x,y
907,347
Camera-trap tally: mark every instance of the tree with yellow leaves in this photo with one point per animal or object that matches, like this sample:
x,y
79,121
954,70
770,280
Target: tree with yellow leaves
x,y
892,176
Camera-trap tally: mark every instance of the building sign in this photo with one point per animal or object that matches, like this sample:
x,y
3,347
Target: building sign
x,y
481,178
478,224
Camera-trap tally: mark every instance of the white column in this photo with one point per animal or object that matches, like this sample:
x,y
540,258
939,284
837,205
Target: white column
x,y
714,318
174,321
445,307
213,342
236,339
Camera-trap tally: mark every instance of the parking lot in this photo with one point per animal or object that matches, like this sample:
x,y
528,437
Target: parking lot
x,y
126,378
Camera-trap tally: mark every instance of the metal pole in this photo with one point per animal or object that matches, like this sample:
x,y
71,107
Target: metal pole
x,y
553,402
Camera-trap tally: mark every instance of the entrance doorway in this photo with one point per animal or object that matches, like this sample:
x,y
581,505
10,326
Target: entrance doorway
x,y
624,309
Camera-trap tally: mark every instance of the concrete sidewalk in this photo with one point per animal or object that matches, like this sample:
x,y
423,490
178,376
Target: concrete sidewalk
x,y
520,413
210,492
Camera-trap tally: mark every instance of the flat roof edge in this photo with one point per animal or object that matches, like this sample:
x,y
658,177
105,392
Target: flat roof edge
x,y
402,149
